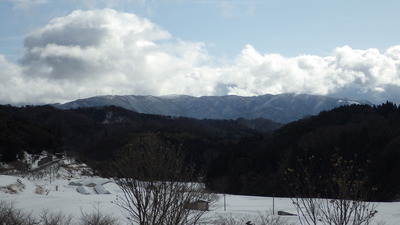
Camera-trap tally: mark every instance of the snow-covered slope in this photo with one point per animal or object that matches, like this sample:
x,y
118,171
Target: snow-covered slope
x,y
62,197
281,108
73,191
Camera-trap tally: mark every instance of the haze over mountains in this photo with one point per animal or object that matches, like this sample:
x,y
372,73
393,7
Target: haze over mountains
x,y
282,108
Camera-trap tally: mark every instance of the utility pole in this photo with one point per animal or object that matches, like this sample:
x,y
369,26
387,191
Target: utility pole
x,y
224,202
273,204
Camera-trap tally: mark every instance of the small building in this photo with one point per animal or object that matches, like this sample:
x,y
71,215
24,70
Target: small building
x,y
101,190
45,160
61,155
283,213
83,190
200,205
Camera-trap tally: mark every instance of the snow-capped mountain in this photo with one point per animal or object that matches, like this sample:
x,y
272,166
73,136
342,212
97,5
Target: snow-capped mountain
x,y
282,108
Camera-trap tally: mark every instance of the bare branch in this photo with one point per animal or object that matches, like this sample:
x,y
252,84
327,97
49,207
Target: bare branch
x,y
157,183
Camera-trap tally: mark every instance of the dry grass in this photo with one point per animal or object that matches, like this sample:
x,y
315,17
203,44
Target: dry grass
x,y
14,188
40,190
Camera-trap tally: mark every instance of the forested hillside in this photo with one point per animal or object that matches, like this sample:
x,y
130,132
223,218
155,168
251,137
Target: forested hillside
x,y
94,134
364,135
232,156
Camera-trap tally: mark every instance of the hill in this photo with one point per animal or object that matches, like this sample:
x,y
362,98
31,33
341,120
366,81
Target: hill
x,y
282,108
95,133
367,136
232,156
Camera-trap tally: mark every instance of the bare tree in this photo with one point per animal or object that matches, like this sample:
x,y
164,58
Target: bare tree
x,y
348,186
303,192
343,200
157,183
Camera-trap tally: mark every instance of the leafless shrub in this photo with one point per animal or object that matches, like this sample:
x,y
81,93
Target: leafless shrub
x,y
10,215
97,217
266,218
229,220
48,218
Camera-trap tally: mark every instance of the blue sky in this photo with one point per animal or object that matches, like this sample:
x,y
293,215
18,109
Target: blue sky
x,y
55,51
287,27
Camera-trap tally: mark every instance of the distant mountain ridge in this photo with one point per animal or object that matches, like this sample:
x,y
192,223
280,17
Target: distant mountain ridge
x,y
282,108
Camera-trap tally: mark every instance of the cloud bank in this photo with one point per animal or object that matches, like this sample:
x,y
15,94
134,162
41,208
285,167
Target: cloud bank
x,y
98,52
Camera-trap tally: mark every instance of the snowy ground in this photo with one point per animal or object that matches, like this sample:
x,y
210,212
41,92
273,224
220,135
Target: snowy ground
x,y
59,196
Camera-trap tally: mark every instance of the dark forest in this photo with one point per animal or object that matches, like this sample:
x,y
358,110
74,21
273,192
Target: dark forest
x,y
231,156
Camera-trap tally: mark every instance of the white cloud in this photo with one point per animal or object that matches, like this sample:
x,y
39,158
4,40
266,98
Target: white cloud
x,y
109,52
358,73
15,88
9,80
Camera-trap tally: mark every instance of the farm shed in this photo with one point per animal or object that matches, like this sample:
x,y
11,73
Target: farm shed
x,y
197,205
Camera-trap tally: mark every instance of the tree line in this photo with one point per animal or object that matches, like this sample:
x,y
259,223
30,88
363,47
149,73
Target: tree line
x,y
228,155
367,136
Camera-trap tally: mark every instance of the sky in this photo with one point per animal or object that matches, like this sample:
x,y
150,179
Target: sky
x,y
55,51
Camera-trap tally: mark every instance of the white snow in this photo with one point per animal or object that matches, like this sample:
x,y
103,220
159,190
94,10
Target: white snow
x,y
59,196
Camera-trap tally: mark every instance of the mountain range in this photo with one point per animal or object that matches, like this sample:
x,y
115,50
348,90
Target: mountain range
x,y
281,108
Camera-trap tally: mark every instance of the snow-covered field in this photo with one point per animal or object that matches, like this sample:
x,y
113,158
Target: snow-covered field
x,y
60,195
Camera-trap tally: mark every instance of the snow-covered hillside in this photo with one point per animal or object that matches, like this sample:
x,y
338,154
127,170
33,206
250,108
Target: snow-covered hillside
x,y
71,192
282,108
